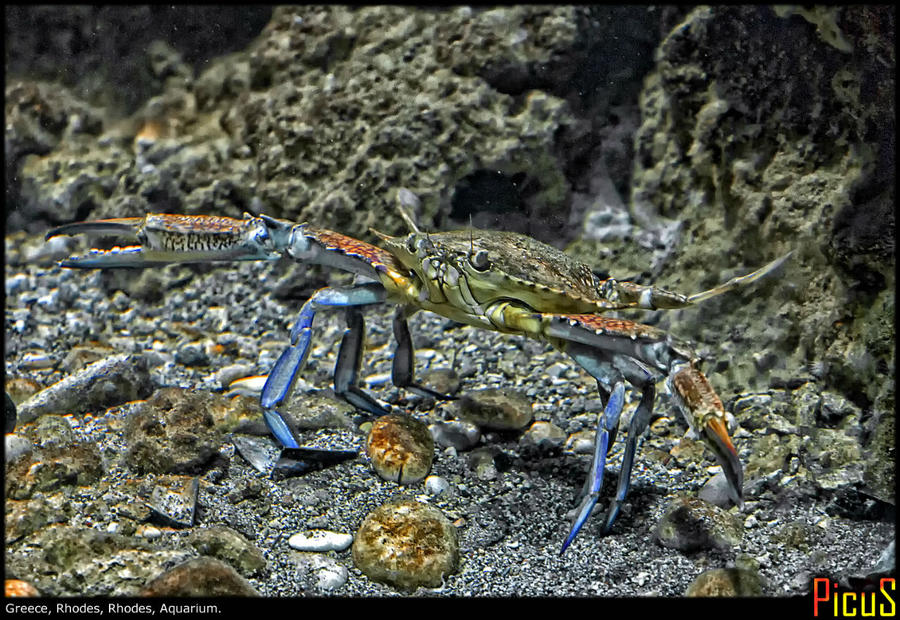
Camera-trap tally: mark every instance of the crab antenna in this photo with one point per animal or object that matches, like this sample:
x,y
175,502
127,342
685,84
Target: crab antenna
x,y
407,203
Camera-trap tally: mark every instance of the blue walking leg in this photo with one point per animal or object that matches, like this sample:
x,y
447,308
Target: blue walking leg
x,y
281,379
403,369
607,422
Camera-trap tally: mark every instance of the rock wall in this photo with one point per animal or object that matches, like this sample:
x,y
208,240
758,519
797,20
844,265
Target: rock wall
x,y
772,131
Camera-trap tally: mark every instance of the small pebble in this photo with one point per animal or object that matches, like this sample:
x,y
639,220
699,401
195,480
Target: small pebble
x,y
149,532
20,588
443,380
457,434
332,577
50,301
248,386
320,540
400,448
690,524
435,485
35,360
498,409
192,354
16,283
377,380
557,370
16,446
228,374
406,544
581,442
716,491
328,572
544,436
488,461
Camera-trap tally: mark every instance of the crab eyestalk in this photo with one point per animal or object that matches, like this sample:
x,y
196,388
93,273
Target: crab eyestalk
x,y
165,238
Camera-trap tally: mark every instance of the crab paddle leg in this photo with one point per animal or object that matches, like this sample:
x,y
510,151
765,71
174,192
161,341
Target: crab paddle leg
x,y
600,365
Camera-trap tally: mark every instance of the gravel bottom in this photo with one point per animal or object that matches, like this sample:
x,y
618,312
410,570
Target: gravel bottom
x,y
511,527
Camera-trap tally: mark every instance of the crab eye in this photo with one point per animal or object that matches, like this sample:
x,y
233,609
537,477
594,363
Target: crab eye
x,y
424,246
479,260
411,243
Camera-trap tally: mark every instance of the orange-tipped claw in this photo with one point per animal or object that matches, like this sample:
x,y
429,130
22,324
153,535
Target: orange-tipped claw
x,y
705,413
716,437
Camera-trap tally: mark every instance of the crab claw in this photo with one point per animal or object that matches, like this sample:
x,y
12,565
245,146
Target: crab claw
x,y
715,436
165,238
706,415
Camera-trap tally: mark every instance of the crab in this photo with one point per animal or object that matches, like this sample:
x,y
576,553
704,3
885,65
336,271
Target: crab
x,y
500,281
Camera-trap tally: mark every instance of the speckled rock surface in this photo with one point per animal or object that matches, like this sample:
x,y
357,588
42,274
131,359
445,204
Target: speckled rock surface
x,y
201,576
328,110
690,524
549,98
105,383
753,163
100,52
176,431
729,582
47,469
407,544
229,546
400,448
90,562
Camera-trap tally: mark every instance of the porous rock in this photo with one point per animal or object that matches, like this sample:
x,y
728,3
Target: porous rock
x,y
406,544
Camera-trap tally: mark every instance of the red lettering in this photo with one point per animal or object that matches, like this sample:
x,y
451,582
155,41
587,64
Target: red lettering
x,y
816,598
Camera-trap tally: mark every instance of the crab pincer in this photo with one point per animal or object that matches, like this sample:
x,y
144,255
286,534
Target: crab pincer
x,y
167,238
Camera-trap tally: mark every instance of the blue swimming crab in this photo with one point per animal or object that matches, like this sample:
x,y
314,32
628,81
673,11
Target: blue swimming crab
x,y
501,281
